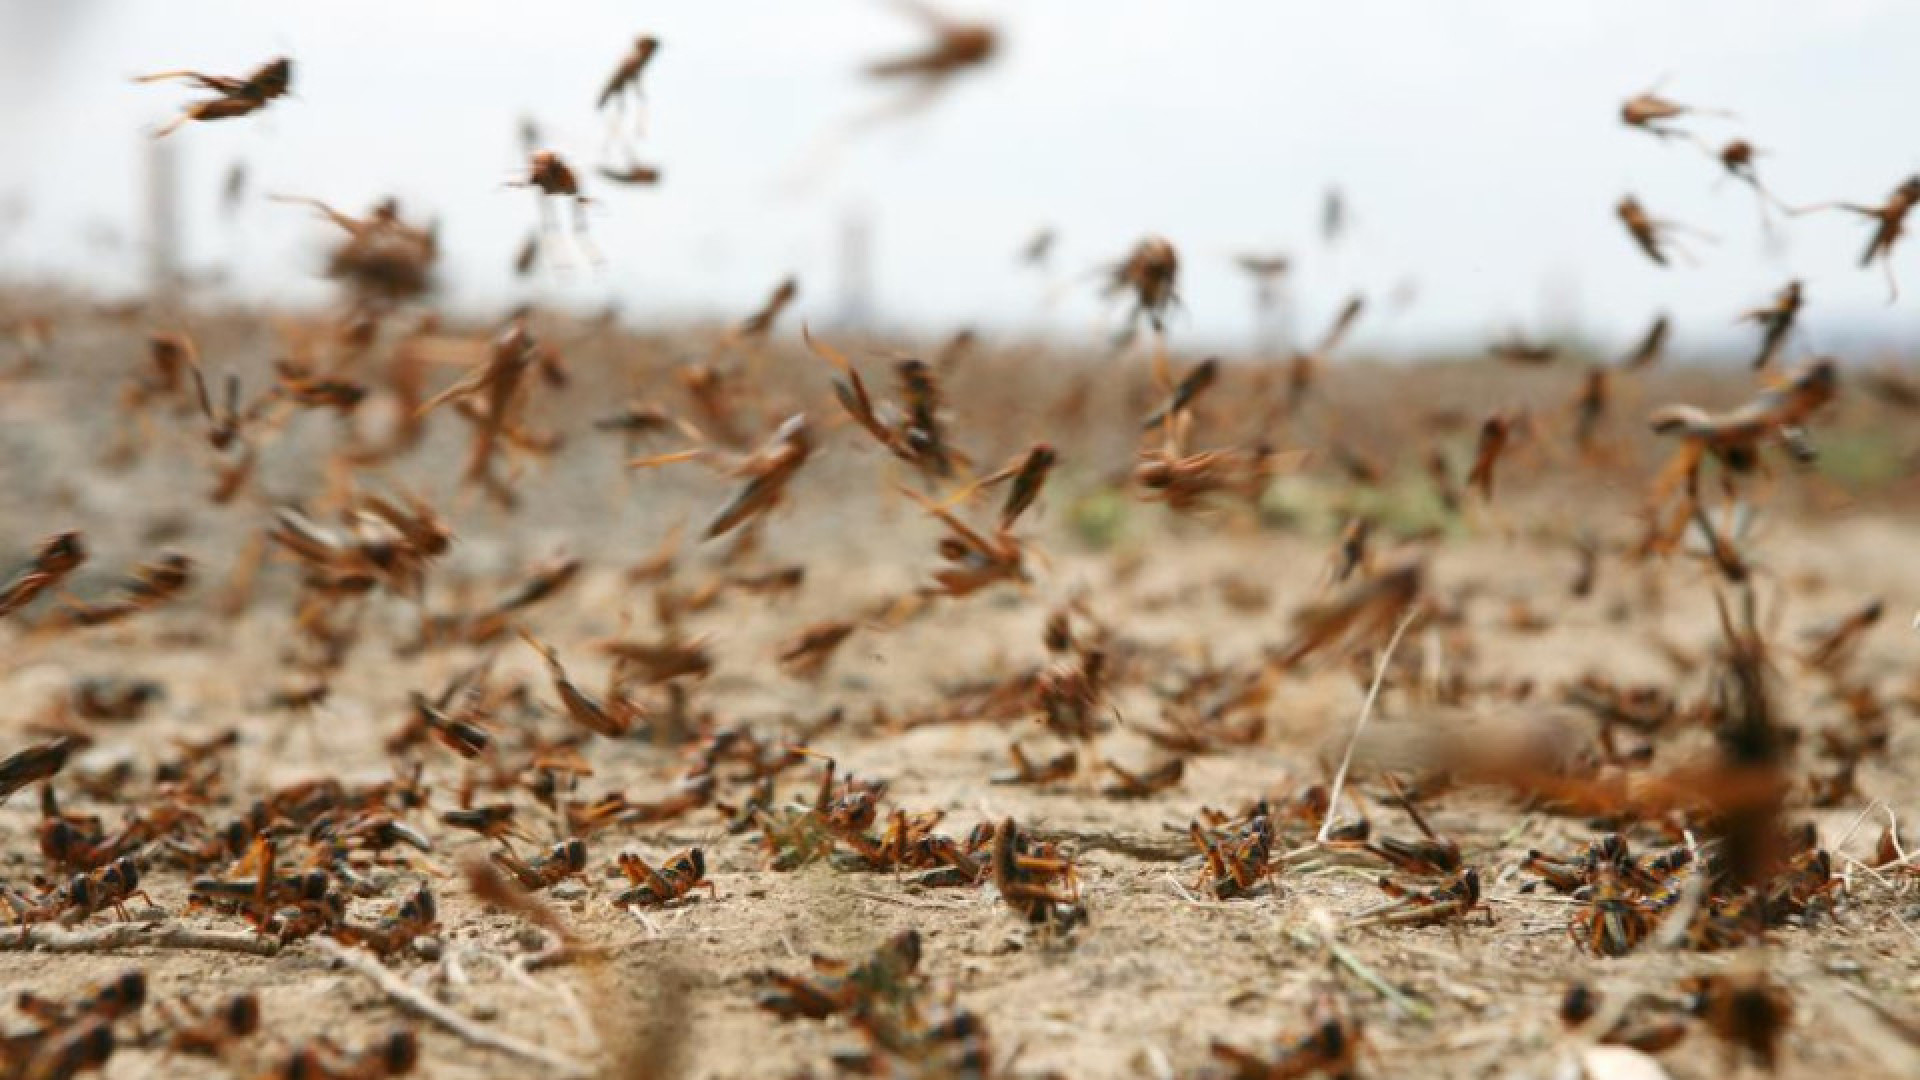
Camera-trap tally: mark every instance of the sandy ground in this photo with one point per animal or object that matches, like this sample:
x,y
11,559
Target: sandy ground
x,y
1157,973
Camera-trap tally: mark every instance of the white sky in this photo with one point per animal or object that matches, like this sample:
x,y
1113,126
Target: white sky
x,y
1477,142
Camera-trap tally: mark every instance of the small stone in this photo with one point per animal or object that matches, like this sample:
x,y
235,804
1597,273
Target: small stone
x,y
568,890
1843,965
428,947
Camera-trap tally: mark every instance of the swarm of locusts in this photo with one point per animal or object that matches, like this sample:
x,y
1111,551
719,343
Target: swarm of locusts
x,y
753,798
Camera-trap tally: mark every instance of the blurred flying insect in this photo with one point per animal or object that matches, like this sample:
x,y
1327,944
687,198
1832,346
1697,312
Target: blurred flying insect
x,y
1304,370
1736,158
1890,387
147,586
497,388
494,821
527,255
238,95
631,175
915,434
1654,236
1145,783
1494,433
1266,270
1646,353
552,178
1440,472
1191,385
1590,409
1520,351
841,986
1890,222
610,718
118,998
806,654
623,86
233,189
1748,1012
1331,1046
1028,771
974,560
224,419
1185,480
383,258
321,1058
1734,438
60,1053
1776,322
1333,216
1151,273
57,557
751,333
195,1031
1028,474
1038,248
767,471
957,47
1362,613
1651,113
1834,646
35,763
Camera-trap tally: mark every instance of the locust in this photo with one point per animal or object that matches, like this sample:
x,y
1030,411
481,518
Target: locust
x,y
236,95
1776,322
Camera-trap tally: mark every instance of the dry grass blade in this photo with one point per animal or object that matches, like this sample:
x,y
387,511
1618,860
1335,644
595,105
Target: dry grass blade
x,y
127,935
1360,725
419,1004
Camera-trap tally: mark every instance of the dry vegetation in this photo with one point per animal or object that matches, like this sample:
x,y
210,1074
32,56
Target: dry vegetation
x,y
1190,613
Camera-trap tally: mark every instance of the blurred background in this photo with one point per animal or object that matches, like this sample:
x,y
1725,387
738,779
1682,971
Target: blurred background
x,y
1476,148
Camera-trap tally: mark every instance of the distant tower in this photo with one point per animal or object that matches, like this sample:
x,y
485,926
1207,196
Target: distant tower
x,y
856,270
163,218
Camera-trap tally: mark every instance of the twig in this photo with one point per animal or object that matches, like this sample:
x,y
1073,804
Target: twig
x,y
1366,711
1904,925
1143,848
127,935
1180,891
653,928
884,898
1857,821
417,1003
1411,1006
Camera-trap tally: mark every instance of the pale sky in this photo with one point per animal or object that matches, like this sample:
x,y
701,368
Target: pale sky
x,y
1477,143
